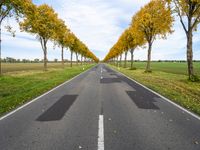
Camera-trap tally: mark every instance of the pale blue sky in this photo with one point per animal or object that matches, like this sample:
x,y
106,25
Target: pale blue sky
x,y
98,23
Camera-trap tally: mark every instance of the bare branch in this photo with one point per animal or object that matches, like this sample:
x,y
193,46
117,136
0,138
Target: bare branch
x,y
180,16
196,21
41,42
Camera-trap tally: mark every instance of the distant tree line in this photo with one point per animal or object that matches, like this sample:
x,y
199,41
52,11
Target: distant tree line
x,y
13,60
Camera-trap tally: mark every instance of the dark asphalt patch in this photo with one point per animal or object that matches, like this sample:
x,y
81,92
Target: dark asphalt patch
x,y
142,102
113,74
109,80
58,110
109,70
126,80
140,90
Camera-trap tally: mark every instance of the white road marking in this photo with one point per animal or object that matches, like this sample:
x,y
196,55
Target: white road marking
x,y
166,99
80,147
101,134
26,104
101,73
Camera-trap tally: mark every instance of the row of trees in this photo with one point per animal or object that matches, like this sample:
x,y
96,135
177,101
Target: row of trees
x,y
43,22
155,20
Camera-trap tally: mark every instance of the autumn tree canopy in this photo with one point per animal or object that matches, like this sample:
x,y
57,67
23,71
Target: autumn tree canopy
x,y
154,20
43,22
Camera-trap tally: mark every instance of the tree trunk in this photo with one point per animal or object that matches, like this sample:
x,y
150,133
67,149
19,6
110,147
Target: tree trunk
x,y
0,52
120,61
45,56
43,43
125,59
148,67
62,56
71,58
132,50
77,59
117,61
190,55
81,60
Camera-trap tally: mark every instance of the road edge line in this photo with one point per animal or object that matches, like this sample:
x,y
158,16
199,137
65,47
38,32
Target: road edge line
x,y
161,96
37,98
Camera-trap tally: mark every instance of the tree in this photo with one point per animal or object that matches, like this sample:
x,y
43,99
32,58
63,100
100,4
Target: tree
x,y
78,47
189,14
73,41
135,39
42,22
125,59
62,37
10,8
55,60
120,60
128,41
5,11
154,20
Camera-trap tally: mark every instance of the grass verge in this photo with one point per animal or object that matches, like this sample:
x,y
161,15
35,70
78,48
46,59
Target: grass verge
x,y
16,88
173,86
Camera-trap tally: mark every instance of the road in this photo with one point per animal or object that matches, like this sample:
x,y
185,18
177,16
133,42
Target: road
x,y
100,109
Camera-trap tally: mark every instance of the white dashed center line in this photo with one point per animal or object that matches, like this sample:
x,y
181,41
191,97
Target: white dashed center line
x,y
101,134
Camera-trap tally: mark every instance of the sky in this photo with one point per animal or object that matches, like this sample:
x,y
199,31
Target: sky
x,y
98,23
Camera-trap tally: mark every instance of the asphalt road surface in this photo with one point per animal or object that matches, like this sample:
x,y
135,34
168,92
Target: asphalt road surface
x,y
100,109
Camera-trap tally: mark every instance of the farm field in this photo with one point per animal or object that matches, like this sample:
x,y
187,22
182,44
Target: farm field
x,y
19,87
11,67
169,67
170,80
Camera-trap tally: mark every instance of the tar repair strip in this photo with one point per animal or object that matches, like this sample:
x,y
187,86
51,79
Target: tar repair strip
x,y
58,110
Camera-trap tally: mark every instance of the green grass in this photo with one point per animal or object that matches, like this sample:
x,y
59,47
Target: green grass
x,y
169,83
169,67
16,88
